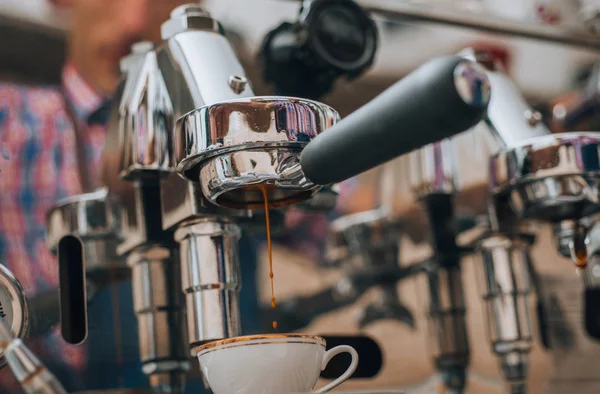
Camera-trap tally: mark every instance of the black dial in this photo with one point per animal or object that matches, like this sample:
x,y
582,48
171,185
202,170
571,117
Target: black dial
x,y
331,39
341,34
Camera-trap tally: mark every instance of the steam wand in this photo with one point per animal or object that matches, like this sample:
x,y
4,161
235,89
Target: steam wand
x,y
298,312
27,368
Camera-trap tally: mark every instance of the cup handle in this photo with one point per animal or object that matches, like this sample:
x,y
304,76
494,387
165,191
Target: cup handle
x,y
331,353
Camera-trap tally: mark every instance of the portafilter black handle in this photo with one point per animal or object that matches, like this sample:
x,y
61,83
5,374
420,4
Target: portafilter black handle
x,y
442,98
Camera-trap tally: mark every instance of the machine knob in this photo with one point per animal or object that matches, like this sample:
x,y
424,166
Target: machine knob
x,y
331,39
189,17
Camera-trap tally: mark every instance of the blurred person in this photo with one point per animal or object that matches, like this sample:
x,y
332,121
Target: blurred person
x,y
40,165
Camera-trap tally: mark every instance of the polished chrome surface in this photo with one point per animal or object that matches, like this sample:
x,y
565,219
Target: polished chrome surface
x,y
138,50
351,235
158,304
187,17
14,309
182,200
145,117
27,368
509,117
210,277
234,146
191,69
91,215
469,155
503,274
194,67
572,240
432,169
364,242
550,178
140,219
95,220
471,84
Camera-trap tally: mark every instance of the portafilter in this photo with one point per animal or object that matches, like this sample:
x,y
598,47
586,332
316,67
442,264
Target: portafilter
x,y
232,147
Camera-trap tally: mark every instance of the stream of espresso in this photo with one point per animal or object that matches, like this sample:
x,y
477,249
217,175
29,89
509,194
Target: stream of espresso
x,y
265,194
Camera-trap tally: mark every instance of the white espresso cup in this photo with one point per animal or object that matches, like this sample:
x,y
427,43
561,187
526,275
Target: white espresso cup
x,y
270,364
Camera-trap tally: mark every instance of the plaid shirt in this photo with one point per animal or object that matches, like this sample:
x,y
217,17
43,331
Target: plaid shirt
x,y
37,168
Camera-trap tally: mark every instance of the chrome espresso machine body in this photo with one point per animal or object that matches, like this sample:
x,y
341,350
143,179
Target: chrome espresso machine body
x,y
503,234
192,153
182,248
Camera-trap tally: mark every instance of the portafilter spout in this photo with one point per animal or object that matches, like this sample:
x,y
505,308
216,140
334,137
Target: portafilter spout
x,y
553,179
233,146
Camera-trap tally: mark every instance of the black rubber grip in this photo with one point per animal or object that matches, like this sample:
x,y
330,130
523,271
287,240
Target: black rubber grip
x,y
422,108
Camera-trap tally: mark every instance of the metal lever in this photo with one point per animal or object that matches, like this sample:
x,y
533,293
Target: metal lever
x,y
27,368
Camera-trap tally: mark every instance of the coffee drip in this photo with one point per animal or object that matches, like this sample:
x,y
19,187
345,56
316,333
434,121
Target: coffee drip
x,y
265,194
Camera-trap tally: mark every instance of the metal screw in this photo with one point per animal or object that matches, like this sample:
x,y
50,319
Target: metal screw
x,y
533,117
238,83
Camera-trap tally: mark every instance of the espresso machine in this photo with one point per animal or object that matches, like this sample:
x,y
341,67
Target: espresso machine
x,y
535,177
432,176
191,156
505,267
